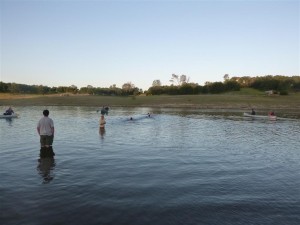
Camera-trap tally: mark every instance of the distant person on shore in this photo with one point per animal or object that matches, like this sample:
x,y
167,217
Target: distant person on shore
x,y
253,112
102,122
9,111
45,129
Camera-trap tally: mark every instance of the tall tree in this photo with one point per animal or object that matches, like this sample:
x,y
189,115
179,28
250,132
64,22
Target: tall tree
x,y
156,83
179,80
226,77
128,86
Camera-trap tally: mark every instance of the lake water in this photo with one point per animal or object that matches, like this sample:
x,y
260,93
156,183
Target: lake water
x,y
176,167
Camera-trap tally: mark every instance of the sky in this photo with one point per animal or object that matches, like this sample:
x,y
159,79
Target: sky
x,y
102,43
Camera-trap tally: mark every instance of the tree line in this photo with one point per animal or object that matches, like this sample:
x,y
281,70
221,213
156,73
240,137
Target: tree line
x,y
14,88
180,85
193,88
278,84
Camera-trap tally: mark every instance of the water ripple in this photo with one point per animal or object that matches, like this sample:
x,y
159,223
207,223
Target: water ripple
x,y
172,168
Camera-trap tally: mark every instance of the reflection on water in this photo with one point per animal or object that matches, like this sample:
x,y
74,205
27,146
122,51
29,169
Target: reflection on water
x,y
46,152
176,167
102,132
9,121
45,168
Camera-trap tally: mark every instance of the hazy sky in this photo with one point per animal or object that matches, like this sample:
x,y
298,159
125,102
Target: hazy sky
x,y
101,43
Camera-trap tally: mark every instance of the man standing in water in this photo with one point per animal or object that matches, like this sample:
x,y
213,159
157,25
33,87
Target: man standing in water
x,y
45,128
102,122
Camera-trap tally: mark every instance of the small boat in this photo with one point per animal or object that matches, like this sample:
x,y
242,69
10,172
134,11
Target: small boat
x,y
14,115
270,117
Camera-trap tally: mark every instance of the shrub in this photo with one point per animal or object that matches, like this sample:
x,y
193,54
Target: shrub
x,y
284,92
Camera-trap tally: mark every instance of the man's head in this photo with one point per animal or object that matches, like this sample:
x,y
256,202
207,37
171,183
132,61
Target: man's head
x,y
46,112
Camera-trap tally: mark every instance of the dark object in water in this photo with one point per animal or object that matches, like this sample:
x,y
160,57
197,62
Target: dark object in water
x,y
45,168
47,152
104,111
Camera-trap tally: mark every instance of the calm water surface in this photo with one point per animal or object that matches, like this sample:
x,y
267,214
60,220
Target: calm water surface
x,y
177,167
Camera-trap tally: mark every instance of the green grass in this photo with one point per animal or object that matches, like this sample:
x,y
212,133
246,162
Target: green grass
x,y
247,91
244,99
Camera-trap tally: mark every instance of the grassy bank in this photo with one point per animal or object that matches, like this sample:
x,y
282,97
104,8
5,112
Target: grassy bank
x,y
244,99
